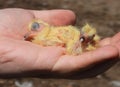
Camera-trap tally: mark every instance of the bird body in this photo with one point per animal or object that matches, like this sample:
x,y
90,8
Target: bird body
x,y
70,37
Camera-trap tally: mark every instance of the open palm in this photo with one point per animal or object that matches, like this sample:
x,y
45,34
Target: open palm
x,y
20,57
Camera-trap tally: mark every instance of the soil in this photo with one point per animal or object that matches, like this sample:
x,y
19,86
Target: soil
x,y
102,14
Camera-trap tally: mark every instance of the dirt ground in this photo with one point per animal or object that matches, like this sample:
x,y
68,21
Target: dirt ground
x,y
102,14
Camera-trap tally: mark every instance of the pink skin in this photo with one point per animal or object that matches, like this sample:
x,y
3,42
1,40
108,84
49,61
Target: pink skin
x,y
19,56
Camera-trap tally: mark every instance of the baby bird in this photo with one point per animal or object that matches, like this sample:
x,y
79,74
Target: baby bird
x,y
75,41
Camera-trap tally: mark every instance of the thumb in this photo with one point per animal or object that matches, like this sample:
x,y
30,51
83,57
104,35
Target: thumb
x,y
55,17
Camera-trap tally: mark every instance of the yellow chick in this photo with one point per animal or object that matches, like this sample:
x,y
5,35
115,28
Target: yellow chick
x,y
70,37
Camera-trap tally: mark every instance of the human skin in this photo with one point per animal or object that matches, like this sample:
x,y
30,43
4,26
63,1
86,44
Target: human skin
x,y
22,58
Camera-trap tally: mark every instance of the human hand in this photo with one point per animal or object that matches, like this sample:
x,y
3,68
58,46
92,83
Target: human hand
x,y
23,58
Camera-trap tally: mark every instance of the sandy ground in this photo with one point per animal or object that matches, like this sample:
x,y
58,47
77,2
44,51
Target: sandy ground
x,y
102,14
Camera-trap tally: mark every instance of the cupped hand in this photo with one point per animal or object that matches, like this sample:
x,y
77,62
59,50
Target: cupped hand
x,y
22,58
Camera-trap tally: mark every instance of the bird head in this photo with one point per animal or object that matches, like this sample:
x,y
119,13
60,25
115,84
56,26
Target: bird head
x,y
34,28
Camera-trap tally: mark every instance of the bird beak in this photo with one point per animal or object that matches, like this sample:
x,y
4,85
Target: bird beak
x,y
29,36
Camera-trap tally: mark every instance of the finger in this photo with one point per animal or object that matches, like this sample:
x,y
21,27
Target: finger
x,y
116,38
109,40
56,17
73,63
105,41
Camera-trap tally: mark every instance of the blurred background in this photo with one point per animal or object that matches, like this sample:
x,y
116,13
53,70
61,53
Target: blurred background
x,y
102,14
